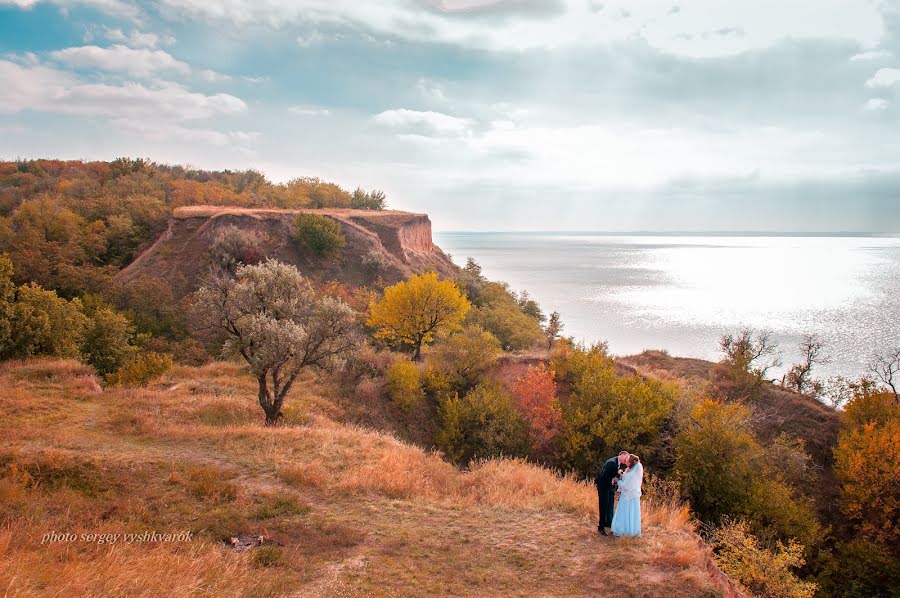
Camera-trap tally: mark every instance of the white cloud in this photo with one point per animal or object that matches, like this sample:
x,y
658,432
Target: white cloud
x,y
40,88
118,58
115,8
700,28
136,39
162,131
429,122
431,91
308,40
213,76
309,110
870,55
619,156
876,105
884,78
141,63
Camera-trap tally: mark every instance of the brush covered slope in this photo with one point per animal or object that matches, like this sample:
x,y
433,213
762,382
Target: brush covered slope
x,y
381,247
777,411
341,510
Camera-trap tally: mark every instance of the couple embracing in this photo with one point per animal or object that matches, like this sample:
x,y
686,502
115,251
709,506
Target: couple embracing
x,y
625,473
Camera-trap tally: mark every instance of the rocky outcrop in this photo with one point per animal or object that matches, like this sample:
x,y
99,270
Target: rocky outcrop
x,y
381,247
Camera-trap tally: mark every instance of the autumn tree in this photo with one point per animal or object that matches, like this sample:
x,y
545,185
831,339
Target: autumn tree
x,y
725,472
766,572
411,313
404,384
799,377
465,356
867,463
498,310
749,356
536,399
274,320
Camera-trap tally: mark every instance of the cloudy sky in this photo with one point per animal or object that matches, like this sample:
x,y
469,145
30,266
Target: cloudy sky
x,y
488,114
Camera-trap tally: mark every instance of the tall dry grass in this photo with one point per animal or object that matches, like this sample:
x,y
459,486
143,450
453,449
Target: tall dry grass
x,y
191,452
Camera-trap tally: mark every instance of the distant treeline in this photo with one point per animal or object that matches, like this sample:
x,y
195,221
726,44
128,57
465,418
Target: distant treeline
x,y
68,225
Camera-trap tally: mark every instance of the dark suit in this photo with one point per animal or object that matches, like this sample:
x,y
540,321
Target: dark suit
x,y
606,492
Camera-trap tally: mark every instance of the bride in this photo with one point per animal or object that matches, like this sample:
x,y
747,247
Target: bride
x,y
627,518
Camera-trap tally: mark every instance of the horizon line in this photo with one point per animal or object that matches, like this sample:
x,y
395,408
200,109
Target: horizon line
x,y
682,232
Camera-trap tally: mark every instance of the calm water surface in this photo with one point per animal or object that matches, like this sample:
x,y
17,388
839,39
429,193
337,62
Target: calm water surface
x,y
681,293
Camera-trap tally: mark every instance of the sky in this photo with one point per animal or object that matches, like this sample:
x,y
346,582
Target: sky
x,y
607,115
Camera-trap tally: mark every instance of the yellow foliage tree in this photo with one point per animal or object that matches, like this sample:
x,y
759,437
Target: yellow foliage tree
x,y
766,573
404,384
867,462
412,312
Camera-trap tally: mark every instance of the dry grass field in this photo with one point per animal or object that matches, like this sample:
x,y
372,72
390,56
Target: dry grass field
x,y
344,511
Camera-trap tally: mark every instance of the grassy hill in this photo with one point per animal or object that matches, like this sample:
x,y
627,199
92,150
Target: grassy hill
x,y
343,510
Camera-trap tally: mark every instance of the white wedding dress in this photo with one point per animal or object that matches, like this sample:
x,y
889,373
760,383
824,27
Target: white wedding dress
x,y
627,518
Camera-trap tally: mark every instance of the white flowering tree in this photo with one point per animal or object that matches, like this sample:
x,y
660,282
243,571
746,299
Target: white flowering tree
x,y
273,318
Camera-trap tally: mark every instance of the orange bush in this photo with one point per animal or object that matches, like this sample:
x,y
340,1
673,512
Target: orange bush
x,y
535,395
867,461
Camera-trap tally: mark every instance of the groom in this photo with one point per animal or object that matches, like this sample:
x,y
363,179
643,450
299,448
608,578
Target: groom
x,y
606,490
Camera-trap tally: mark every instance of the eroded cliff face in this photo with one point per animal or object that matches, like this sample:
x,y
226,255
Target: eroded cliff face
x,y
381,247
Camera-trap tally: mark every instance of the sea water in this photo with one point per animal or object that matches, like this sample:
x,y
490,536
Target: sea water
x,y
682,292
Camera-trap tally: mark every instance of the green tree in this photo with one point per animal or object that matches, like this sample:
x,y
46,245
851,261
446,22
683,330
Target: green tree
x,y
373,200
499,312
606,413
465,356
554,327
724,472
44,324
106,342
716,460
481,425
860,569
7,305
320,234
141,369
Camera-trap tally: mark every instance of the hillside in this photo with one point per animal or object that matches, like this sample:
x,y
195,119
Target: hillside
x,y
777,411
382,247
344,511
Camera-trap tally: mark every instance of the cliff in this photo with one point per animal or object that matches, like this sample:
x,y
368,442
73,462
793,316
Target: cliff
x,y
381,248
